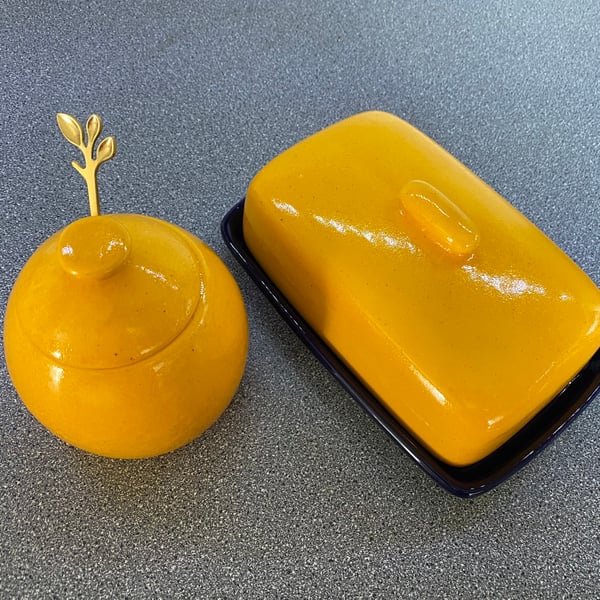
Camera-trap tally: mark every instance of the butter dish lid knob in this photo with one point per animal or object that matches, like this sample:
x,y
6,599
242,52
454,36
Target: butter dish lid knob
x,y
439,219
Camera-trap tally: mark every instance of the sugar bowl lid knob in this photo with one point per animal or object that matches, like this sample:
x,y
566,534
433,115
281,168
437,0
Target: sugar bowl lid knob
x,y
93,247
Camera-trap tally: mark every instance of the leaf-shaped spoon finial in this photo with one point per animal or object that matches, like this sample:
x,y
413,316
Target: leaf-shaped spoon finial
x,y
71,129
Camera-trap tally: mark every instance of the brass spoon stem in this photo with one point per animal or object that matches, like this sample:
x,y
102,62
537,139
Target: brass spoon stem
x,y
92,188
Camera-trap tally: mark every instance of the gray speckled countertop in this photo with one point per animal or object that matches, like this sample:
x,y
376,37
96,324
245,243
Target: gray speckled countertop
x,y
294,492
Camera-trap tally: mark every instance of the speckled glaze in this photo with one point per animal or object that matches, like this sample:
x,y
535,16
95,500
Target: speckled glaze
x,y
126,336
453,308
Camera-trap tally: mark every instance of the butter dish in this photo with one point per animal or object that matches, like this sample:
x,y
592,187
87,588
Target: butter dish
x,y
453,320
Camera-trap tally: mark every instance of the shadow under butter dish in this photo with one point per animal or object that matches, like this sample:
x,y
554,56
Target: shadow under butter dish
x,y
460,315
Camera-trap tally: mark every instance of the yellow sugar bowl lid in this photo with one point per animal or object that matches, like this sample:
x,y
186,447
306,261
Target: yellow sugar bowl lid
x,y
108,291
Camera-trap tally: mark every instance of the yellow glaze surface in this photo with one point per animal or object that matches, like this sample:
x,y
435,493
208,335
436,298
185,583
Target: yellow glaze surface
x,y
126,336
460,315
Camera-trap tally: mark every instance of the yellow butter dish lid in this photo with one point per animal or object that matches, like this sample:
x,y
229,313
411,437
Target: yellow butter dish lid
x,y
444,303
